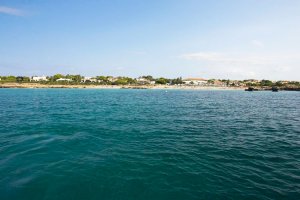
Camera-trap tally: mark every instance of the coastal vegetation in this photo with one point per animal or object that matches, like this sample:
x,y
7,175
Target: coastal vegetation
x,y
77,79
99,80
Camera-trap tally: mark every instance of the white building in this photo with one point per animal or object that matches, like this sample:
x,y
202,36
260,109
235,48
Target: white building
x,y
39,78
64,79
112,79
89,79
194,81
144,81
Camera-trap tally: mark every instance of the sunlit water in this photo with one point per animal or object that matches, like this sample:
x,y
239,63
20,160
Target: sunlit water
x,y
149,144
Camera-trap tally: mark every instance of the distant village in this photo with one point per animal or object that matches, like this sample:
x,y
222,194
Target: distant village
x,y
144,80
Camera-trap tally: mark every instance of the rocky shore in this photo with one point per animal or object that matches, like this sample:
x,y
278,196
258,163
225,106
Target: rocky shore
x,y
276,89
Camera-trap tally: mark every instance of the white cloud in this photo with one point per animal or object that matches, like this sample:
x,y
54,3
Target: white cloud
x,y
11,11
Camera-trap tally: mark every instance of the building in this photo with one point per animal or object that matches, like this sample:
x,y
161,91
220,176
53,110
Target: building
x,y
144,81
112,79
216,83
194,81
39,78
251,81
64,79
89,79
284,82
236,83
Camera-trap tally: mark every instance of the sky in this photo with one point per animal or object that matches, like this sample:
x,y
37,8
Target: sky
x,y
226,39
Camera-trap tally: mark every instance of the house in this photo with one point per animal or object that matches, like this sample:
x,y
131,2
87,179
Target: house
x,y
251,81
39,78
144,81
216,83
284,82
89,79
194,81
236,83
64,79
112,79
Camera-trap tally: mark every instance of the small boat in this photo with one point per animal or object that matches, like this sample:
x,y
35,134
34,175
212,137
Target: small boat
x,y
250,89
274,89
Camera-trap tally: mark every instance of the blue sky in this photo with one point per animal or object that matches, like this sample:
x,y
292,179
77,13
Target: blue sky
x,y
190,38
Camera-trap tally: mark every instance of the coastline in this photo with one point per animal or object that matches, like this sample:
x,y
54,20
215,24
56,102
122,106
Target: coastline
x,y
38,85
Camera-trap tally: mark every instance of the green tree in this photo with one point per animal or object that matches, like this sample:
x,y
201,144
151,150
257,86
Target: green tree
x,y
279,84
19,78
22,79
176,81
10,79
56,76
150,78
266,83
227,82
74,78
211,81
102,78
162,81
124,81
120,81
131,80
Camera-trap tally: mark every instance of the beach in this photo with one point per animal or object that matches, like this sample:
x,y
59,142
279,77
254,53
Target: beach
x,y
81,86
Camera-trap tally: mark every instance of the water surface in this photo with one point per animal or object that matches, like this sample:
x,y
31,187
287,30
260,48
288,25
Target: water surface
x,y
149,144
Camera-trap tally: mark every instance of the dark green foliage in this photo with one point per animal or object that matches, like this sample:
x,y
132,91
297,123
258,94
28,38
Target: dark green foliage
x,y
55,77
279,84
227,82
295,83
266,83
162,81
211,81
110,80
74,78
8,79
124,81
22,79
176,81
150,78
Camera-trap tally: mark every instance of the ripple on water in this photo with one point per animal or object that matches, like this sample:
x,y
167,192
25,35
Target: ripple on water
x,y
133,144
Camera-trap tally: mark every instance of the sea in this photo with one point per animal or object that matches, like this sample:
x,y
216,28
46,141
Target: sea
x,y
91,144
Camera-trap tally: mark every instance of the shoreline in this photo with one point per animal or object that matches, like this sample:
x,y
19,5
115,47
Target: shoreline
x,y
151,87
37,85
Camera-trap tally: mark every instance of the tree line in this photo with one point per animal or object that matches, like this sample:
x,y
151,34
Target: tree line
x,y
78,79
123,80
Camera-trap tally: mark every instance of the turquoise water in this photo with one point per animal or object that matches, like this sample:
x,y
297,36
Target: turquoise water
x,y
149,144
